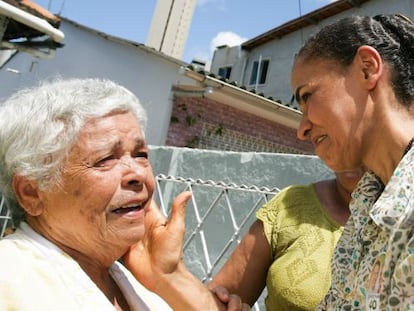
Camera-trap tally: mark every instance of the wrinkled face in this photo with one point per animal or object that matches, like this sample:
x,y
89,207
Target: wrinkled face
x,y
332,103
107,184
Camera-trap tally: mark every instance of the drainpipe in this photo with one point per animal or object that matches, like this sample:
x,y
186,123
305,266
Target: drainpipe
x,y
243,54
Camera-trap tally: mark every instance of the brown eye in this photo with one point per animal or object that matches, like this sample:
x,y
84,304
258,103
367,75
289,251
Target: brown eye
x,y
304,97
142,154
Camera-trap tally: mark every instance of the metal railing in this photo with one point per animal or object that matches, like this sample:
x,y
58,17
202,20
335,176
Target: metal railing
x,y
5,216
217,217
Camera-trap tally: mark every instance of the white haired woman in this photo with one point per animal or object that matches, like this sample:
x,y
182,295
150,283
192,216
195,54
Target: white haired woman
x,y
74,170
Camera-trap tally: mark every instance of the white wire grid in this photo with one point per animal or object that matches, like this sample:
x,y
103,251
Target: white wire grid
x,y
217,217
5,216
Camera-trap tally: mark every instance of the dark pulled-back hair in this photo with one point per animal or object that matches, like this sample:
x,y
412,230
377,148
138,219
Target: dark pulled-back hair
x,y
391,35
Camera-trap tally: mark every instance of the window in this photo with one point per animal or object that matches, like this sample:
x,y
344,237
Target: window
x,y
225,72
259,72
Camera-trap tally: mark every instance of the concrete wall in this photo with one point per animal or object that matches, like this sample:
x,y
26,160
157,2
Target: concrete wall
x,y
262,169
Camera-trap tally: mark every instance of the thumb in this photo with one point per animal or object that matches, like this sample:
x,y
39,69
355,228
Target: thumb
x,y
177,215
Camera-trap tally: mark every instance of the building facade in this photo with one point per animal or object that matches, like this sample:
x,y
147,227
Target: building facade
x,y
263,63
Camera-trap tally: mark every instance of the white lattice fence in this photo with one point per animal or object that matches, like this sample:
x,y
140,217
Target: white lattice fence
x,y
217,217
5,217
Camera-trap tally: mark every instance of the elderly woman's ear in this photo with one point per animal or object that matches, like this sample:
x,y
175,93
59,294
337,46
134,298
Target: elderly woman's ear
x,y
27,194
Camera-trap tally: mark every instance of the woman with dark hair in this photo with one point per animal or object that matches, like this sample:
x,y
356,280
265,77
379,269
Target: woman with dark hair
x,y
354,83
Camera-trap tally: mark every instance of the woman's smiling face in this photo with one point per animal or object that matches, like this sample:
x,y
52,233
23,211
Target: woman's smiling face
x,y
331,102
107,183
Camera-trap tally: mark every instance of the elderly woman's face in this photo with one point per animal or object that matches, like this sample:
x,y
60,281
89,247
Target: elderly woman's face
x,y
107,184
332,103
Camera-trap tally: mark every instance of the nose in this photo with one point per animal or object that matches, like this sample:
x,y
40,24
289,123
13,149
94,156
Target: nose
x,y
304,129
135,173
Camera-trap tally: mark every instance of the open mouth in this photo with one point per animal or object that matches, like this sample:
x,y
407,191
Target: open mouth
x,y
127,209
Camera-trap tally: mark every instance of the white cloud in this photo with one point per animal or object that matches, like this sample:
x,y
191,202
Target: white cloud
x,y
226,38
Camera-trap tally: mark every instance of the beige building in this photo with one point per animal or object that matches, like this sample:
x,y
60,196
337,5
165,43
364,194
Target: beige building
x,y
170,26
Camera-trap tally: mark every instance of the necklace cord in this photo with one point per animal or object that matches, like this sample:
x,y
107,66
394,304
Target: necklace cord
x,y
409,146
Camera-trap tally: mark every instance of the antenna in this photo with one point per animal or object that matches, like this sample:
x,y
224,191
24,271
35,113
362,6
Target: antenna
x,y
300,15
50,4
61,7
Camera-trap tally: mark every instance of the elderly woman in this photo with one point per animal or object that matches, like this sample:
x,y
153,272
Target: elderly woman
x,y
74,170
354,82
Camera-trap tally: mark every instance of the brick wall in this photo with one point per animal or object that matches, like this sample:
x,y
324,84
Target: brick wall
x,y
203,123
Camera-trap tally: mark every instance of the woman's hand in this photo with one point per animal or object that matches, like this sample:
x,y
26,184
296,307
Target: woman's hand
x,y
233,302
159,254
156,262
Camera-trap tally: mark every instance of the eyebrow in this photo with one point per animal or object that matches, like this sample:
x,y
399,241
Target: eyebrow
x,y
115,144
140,142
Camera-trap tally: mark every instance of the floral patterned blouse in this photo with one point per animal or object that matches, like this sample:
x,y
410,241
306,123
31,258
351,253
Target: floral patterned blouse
x,y
373,263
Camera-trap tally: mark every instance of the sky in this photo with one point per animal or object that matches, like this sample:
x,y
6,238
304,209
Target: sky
x,y
215,22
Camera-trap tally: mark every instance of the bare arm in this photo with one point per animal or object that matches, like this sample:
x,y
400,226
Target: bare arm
x,y
244,273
